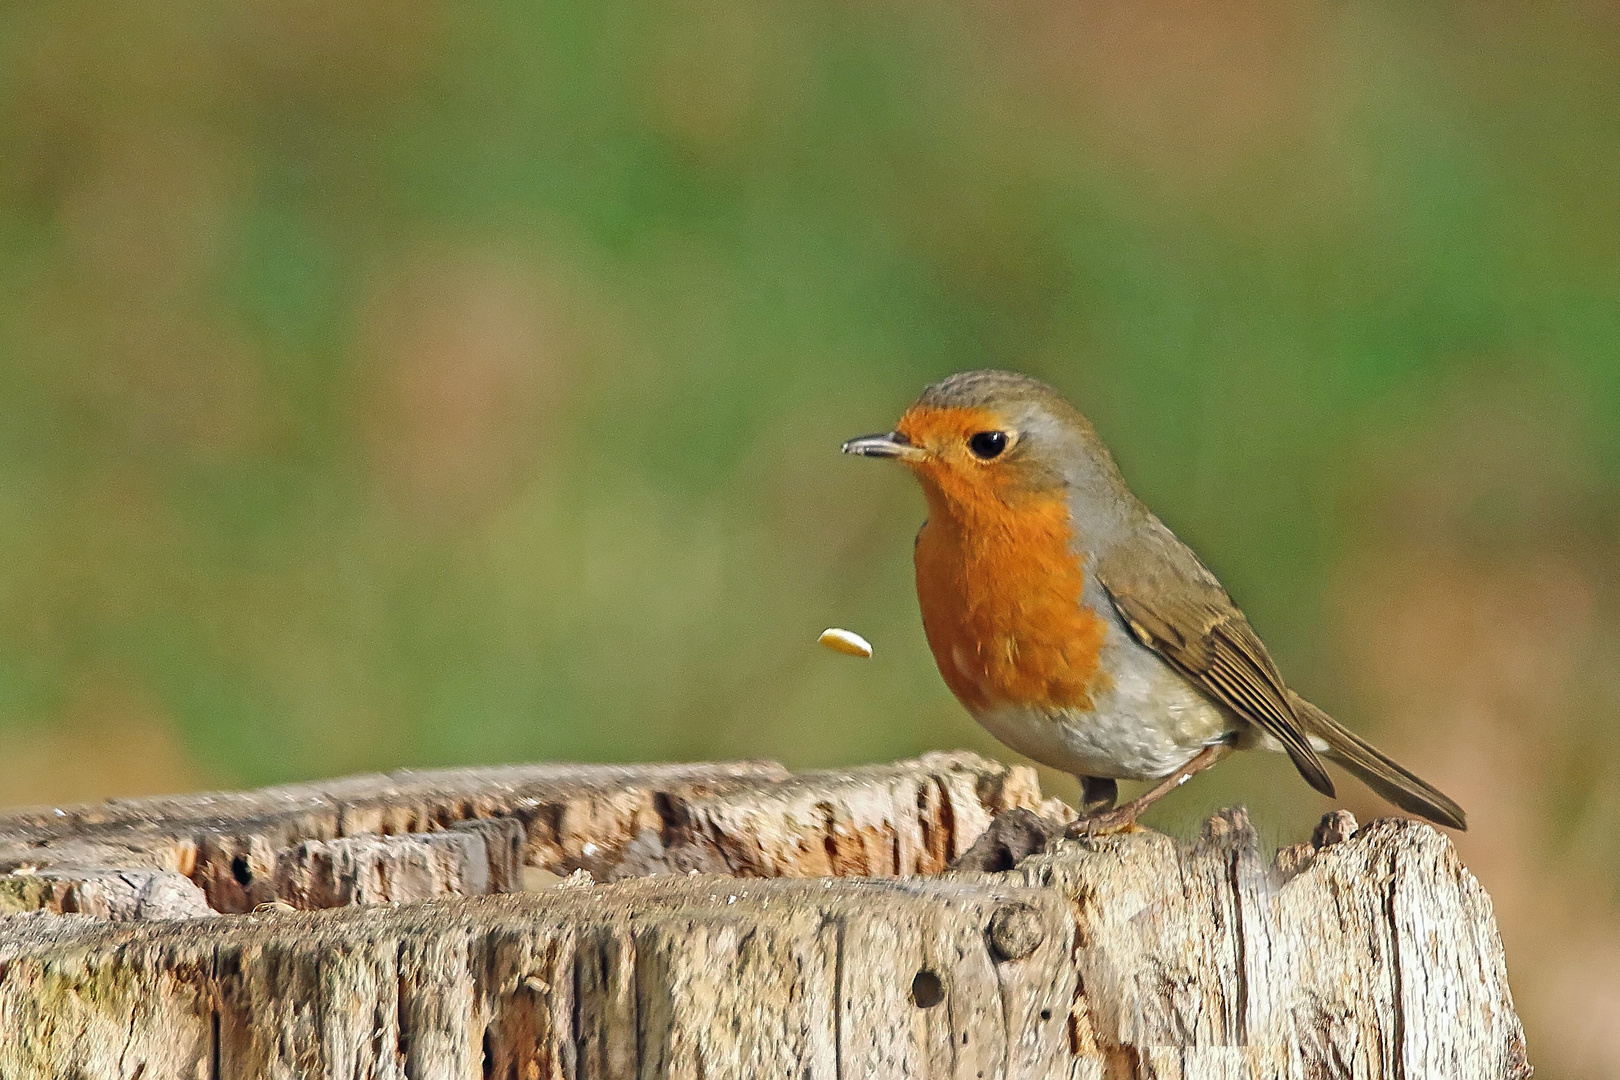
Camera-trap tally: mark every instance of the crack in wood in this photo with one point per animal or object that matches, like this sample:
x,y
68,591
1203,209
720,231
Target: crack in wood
x,y
731,976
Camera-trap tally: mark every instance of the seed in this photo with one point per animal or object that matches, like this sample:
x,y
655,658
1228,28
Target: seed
x,y
845,641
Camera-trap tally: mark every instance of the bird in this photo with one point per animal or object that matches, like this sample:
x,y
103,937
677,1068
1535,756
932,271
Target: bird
x,y
1075,627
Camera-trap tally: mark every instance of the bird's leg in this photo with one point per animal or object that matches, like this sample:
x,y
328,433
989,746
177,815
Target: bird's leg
x,y
1117,820
1097,794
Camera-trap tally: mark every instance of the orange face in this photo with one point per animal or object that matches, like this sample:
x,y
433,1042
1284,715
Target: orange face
x,y
998,578
948,467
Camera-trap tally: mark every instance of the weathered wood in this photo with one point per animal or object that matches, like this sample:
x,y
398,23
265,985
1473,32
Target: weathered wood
x,y
136,893
1373,956
750,818
470,858
1366,953
692,977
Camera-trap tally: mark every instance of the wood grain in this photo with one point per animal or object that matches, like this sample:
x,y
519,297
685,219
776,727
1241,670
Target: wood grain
x,y
748,818
1374,956
384,935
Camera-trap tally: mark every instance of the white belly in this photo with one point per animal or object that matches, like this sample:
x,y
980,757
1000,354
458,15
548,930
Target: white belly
x,y
1146,725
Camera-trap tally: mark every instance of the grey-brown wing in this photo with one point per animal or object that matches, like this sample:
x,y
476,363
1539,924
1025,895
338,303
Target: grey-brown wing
x,y
1183,614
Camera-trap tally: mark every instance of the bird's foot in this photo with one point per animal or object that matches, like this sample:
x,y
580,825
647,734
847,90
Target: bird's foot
x,y
1106,823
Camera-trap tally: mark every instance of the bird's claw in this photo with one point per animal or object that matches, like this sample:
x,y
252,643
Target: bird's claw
x,y
1107,823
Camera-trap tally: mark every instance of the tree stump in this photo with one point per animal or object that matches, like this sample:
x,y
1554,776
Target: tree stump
x,y
729,921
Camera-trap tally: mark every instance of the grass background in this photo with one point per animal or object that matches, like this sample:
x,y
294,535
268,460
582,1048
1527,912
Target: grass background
x,y
417,382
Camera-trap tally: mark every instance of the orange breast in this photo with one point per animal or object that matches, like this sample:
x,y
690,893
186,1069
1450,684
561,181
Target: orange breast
x,y
1000,599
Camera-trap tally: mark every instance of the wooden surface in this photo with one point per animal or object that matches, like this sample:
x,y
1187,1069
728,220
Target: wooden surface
x,y
1374,956
728,921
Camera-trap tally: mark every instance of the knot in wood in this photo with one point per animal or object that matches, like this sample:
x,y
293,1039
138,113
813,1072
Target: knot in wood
x,y
1335,828
1015,931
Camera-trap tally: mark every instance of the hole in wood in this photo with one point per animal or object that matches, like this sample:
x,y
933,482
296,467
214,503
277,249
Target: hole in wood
x,y
926,990
1015,932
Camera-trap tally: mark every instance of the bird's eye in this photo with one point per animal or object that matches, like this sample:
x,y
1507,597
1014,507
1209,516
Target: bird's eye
x,y
987,444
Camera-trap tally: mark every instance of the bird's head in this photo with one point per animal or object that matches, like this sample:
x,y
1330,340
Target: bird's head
x,y
993,439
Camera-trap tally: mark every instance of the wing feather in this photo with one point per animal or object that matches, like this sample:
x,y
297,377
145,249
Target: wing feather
x,y
1187,618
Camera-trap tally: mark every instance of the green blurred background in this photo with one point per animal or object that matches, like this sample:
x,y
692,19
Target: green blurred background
x,y
417,382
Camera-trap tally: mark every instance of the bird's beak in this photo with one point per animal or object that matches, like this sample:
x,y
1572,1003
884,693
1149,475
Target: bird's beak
x,y
891,444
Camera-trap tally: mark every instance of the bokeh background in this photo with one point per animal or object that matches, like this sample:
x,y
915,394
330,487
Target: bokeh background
x,y
414,382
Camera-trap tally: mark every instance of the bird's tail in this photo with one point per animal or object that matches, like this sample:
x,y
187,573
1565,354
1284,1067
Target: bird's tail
x,y
1395,783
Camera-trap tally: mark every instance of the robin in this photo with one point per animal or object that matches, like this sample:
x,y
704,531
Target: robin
x,y
1075,626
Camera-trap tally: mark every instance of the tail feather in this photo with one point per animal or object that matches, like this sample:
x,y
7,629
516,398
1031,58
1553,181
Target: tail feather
x,y
1399,785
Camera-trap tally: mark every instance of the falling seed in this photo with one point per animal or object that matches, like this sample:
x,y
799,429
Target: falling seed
x,y
845,641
